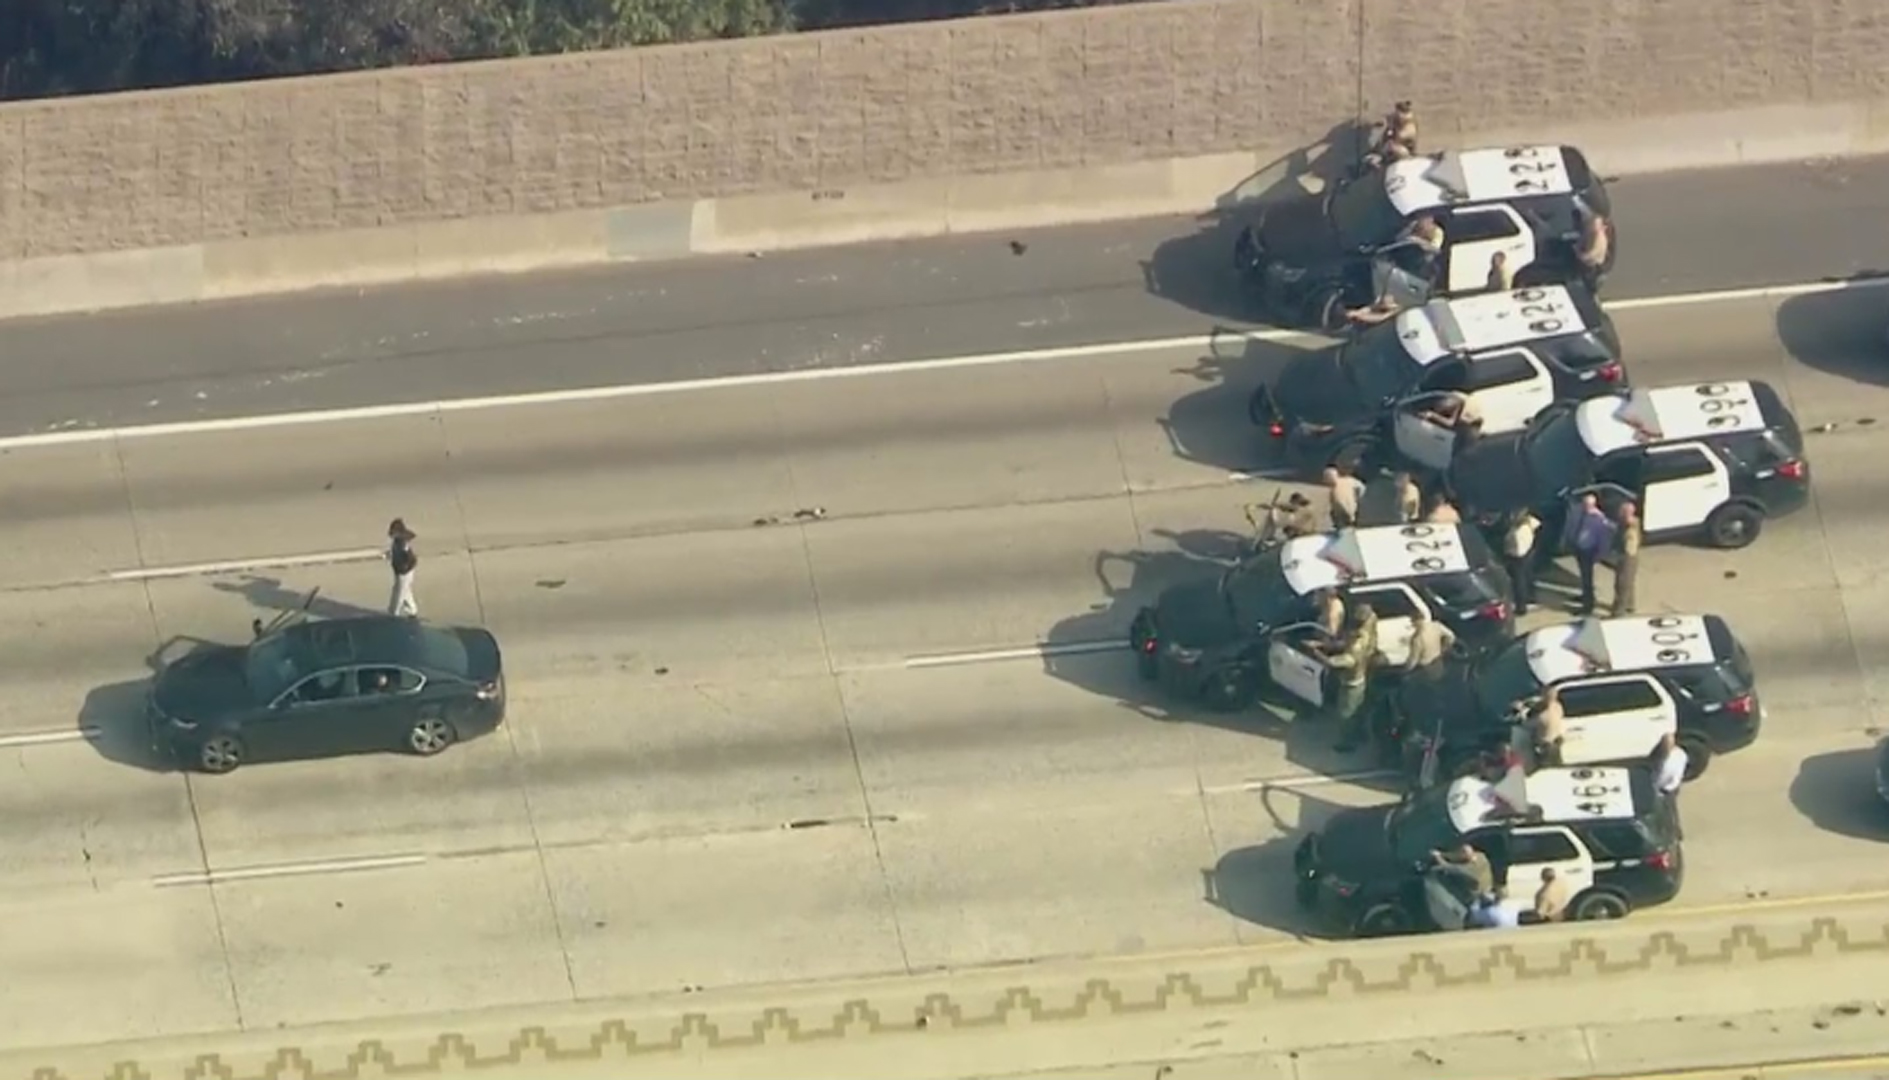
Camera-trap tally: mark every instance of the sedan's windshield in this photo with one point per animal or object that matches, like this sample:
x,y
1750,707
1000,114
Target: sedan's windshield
x,y
1362,215
271,667
1378,365
1557,458
1504,678
1257,592
1421,825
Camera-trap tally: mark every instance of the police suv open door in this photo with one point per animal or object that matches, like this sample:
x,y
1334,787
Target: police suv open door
x,y
1294,660
1615,718
1419,439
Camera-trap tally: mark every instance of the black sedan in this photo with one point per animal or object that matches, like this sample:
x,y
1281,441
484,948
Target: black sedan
x,y
325,688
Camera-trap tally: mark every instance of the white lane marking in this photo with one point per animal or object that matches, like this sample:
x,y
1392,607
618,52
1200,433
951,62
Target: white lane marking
x,y
304,869
607,393
1298,780
236,566
1762,292
730,382
47,738
1025,652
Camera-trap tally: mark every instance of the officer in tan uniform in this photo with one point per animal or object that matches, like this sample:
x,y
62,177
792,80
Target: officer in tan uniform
x,y
1353,664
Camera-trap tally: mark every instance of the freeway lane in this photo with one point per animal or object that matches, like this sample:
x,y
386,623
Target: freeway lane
x,y
724,765
872,304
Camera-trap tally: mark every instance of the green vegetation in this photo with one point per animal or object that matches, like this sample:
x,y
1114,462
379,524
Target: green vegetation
x,y
58,47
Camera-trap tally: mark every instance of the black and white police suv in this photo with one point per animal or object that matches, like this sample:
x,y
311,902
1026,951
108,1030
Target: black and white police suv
x,y
1515,353
1711,460
1604,831
1227,640
1310,259
1624,683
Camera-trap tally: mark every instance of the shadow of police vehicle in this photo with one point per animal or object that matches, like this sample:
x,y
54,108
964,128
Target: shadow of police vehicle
x,y
1623,683
1605,832
1311,259
1512,353
309,688
1227,640
1710,460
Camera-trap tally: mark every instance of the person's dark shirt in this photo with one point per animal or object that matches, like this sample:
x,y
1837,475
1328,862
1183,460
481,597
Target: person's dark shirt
x,y
402,557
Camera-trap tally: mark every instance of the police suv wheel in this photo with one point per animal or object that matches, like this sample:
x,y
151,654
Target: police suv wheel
x,y
1383,920
1733,525
1596,906
1698,755
1231,689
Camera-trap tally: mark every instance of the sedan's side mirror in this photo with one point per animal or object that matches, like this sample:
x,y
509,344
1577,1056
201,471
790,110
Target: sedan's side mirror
x,y
255,627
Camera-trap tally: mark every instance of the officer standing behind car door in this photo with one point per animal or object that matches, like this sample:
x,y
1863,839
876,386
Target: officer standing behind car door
x,y
1627,570
401,557
1518,557
1353,664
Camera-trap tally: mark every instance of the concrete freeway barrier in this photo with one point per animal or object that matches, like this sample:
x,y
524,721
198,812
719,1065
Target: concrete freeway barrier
x,y
1655,992
877,134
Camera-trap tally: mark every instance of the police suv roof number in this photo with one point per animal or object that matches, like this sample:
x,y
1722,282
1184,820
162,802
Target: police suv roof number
x,y
1419,539
1589,791
1675,646
1526,166
1718,406
1545,317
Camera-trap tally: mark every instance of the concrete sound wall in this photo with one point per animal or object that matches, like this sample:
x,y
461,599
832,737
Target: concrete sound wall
x,y
874,134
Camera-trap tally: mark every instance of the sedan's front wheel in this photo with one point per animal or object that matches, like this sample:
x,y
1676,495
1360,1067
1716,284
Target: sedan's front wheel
x,y
220,754
429,736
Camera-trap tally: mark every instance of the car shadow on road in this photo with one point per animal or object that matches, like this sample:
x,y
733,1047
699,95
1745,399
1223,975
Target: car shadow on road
x,y
1081,652
1211,426
271,594
1255,884
1196,270
1837,793
1843,332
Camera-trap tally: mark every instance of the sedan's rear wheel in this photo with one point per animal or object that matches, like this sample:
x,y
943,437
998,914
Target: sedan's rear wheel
x,y
429,736
220,754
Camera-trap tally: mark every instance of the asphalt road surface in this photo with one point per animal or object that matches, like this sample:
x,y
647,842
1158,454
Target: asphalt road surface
x,y
1683,232
748,747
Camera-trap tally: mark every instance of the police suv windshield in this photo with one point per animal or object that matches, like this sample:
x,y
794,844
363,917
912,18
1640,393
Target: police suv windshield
x,y
1257,591
1362,215
1557,458
1377,364
1504,677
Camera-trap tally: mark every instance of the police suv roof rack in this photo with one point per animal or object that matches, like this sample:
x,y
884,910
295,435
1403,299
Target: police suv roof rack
x,y
287,618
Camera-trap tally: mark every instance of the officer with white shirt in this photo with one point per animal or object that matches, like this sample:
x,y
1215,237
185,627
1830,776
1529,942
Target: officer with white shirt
x,y
1669,766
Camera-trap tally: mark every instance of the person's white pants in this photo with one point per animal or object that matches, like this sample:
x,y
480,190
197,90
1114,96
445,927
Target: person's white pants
x,y
402,602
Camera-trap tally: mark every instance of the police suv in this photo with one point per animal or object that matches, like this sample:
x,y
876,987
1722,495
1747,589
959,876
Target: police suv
x,y
1712,460
1514,352
1624,683
1604,831
1225,641
1310,259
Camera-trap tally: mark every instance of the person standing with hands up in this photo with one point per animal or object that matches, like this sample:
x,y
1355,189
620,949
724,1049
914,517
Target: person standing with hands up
x,y
401,557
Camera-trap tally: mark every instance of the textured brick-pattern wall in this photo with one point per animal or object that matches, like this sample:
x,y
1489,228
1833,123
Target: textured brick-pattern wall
x,y
910,1016
831,110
